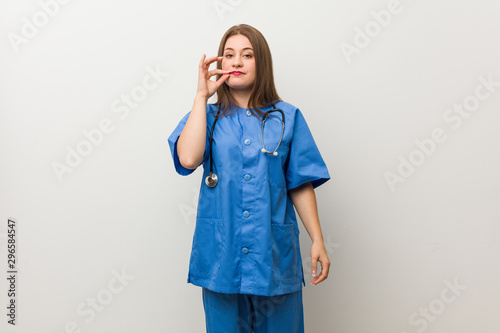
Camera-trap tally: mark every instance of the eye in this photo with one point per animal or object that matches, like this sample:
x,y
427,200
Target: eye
x,y
228,55
248,55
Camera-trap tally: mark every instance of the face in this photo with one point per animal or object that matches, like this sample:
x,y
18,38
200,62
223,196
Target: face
x,y
238,56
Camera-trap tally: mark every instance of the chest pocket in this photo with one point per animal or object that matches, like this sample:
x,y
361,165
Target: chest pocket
x,y
276,166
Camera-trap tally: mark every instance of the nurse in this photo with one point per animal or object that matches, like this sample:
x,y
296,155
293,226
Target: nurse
x,y
245,252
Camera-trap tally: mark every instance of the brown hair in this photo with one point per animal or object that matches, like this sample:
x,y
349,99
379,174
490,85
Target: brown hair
x,y
263,92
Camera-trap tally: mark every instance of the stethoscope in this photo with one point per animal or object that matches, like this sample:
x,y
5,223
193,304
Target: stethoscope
x,y
211,179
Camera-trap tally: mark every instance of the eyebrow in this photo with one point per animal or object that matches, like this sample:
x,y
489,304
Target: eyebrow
x,y
245,48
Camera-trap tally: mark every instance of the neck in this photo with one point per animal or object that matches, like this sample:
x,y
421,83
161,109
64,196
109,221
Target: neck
x,y
241,96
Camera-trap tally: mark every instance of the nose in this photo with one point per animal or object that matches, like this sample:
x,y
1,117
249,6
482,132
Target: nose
x,y
237,62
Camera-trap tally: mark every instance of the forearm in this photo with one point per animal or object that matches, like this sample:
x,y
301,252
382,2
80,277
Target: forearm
x,y
304,200
191,142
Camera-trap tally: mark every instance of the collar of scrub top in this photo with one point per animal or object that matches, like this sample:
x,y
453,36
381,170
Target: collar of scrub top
x,y
212,179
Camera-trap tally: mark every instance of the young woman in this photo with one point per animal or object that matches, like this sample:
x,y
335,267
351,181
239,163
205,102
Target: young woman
x,y
260,161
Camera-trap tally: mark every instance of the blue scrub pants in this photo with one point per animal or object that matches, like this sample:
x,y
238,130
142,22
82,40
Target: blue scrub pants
x,y
245,313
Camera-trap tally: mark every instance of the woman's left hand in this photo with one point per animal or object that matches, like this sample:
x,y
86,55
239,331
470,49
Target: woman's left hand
x,y
318,253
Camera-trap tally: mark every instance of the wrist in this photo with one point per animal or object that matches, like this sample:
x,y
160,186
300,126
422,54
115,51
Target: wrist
x,y
318,241
201,98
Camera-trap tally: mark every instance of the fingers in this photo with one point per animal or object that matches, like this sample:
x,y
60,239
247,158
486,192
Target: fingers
x,y
217,71
204,74
205,62
221,80
325,268
202,60
314,266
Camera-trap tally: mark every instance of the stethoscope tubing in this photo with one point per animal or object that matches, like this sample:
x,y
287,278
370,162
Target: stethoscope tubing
x,y
212,179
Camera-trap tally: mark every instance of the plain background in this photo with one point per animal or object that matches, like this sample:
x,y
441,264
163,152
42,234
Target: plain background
x,y
123,208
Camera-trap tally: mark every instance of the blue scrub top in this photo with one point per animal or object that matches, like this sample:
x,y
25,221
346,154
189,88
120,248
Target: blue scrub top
x,y
246,238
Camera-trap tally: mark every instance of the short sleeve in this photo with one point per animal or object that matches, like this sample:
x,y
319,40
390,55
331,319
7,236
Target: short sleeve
x,y
172,141
304,163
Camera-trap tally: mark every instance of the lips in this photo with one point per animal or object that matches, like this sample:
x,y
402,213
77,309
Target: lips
x,y
237,73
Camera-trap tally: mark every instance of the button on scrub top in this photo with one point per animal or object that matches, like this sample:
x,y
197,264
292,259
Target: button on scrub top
x,y
246,238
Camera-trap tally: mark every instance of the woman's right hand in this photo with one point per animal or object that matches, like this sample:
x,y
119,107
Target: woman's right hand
x,y
207,87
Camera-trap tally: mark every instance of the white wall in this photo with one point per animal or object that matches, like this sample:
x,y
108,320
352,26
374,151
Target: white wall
x,y
395,251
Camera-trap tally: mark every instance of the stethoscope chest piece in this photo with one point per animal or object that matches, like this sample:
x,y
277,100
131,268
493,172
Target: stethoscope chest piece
x,y
211,179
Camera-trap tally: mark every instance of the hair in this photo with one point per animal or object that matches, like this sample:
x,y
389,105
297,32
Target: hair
x,y
263,91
